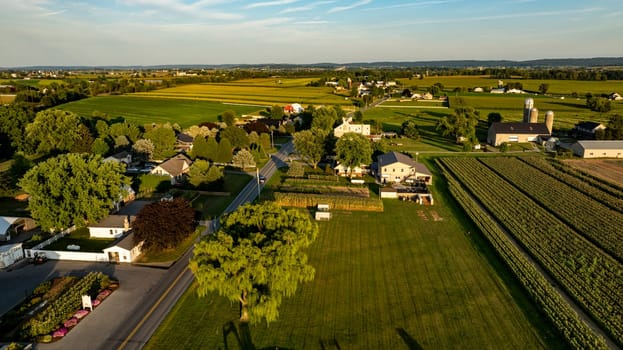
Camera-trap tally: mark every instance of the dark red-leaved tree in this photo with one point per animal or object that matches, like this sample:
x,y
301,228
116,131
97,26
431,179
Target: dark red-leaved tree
x,y
163,225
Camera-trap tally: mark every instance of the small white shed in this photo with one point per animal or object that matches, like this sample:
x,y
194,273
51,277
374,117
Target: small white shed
x,y
10,253
124,249
322,212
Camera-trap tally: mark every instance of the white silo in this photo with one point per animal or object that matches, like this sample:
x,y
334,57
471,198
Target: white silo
x,y
527,107
549,120
534,115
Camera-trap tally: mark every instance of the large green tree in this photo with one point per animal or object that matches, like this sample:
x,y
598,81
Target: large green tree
x,y
309,144
164,224
163,139
13,121
461,125
237,136
324,118
243,159
202,173
54,130
72,189
352,150
256,259
223,152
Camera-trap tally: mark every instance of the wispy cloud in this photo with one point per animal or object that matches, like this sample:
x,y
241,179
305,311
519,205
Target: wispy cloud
x,y
412,4
198,9
312,22
350,7
269,3
53,13
307,7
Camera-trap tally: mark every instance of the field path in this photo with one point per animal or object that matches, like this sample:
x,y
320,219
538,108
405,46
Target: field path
x,y
586,318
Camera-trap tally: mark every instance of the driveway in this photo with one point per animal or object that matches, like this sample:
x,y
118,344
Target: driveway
x,y
135,283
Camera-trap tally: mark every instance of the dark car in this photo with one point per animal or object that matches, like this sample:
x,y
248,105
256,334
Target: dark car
x,y
262,179
39,258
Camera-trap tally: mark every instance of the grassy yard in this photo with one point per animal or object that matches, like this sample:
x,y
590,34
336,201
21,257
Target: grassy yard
x,y
212,206
141,110
170,254
81,237
411,277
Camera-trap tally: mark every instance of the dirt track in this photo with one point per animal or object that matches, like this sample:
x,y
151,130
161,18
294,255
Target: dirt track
x,y
608,169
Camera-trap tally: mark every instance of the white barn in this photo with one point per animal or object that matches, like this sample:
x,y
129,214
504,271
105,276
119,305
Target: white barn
x,y
10,253
598,149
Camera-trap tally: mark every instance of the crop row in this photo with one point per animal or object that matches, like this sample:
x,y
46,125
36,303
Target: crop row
x,y
306,200
65,305
595,221
612,188
590,187
591,277
566,320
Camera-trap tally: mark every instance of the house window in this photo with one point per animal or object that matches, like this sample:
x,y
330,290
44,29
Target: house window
x,y
394,170
402,170
384,169
111,232
591,153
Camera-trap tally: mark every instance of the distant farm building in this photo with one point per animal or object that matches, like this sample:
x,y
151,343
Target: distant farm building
x,y
294,108
528,130
598,149
587,130
346,127
322,212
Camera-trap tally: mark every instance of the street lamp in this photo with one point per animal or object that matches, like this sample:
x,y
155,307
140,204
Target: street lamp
x,y
416,156
257,177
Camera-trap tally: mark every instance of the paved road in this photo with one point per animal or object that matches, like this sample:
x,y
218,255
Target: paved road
x,y
134,331
136,283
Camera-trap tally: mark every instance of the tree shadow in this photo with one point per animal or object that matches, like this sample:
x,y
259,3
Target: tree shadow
x,y
243,338
411,343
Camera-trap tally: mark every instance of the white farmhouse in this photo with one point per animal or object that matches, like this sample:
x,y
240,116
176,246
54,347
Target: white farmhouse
x,y
346,126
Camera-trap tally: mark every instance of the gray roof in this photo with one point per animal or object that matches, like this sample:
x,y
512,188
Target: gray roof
x,y
126,241
116,221
601,144
520,128
133,207
183,137
588,125
396,157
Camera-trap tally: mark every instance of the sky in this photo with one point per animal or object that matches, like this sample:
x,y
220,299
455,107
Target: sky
x,y
168,32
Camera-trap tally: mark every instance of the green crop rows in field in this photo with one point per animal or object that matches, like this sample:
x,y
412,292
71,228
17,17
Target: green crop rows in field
x,y
589,274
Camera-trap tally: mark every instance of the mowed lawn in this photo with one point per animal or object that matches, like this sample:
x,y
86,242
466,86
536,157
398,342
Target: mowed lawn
x,y
141,110
408,278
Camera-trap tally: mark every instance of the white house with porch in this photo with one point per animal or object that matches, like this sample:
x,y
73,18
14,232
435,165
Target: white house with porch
x,y
112,226
124,250
397,167
346,126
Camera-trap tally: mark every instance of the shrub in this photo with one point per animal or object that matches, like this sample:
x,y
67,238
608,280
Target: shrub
x,y
42,288
80,314
61,332
70,322
45,339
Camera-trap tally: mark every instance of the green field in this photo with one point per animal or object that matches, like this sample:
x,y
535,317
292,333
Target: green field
x,y
567,112
426,119
394,280
556,87
262,92
141,110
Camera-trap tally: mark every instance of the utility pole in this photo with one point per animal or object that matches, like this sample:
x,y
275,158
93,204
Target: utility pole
x,y
257,179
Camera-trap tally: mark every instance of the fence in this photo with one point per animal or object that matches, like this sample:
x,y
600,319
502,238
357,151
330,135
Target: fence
x,y
54,238
68,255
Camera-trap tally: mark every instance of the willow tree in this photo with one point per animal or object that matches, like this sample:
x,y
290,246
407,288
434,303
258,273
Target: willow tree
x,y
256,259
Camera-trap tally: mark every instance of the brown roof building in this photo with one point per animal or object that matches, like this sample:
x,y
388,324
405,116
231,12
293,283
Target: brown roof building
x,y
516,132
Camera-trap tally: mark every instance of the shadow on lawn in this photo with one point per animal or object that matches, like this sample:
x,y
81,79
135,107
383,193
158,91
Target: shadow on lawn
x,y
243,337
411,343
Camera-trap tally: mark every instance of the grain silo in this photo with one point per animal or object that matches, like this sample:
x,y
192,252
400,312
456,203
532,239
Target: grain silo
x,y
549,120
527,107
534,115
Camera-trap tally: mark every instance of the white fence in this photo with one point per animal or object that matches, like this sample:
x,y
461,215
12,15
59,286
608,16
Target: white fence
x,y
54,238
62,254
68,255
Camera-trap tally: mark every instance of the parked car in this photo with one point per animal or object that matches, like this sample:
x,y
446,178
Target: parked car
x,y
39,258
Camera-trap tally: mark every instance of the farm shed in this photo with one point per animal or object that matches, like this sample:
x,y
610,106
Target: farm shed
x,y
322,212
389,192
9,224
598,149
124,249
587,130
10,253
516,132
